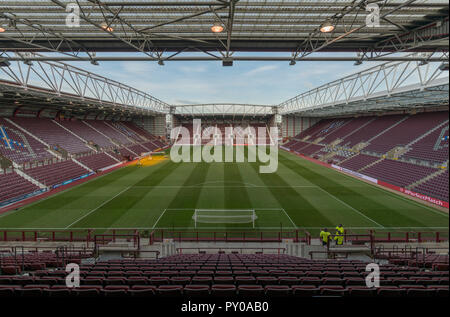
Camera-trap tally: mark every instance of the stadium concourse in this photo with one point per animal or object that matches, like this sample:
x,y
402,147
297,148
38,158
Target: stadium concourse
x,y
341,191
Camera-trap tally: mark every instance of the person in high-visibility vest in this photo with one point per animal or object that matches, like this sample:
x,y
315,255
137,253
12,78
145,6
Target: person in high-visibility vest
x,y
339,237
324,236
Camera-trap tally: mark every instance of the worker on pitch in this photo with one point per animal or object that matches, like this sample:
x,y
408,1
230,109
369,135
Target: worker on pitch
x,y
339,236
324,236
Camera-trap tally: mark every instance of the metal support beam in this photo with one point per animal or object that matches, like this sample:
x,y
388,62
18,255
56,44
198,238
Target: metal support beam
x,y
382,81
58,79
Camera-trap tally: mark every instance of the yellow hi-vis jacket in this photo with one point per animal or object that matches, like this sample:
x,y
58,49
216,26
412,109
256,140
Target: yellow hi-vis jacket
x,y
339,237
324,235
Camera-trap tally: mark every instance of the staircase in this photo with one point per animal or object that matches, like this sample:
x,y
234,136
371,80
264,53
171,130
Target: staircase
x,y
356,130
386,130
29,178
371,164
82,165
396,152
358,147
427,133
426,179
112,141
85,142
348,158
113,127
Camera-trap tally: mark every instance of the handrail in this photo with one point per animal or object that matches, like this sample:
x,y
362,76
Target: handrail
x,y
180,250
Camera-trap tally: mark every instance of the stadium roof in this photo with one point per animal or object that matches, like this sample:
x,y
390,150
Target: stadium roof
x,y
385,87
165,30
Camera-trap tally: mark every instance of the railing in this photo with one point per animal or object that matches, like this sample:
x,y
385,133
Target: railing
x,y
404,236
63,254
102,239
299,235
419,255
230,236
222,249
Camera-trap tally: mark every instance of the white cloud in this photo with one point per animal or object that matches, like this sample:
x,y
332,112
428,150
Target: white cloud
x,y
261,69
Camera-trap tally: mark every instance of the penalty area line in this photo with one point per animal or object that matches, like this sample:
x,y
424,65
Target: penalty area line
x,y
97,208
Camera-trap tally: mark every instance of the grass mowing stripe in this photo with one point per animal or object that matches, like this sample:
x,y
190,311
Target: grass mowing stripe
x,y
287,198
125,205
323,178
186,197
385,191
98,207
354,209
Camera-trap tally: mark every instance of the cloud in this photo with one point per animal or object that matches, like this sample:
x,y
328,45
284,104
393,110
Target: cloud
x,y
261,69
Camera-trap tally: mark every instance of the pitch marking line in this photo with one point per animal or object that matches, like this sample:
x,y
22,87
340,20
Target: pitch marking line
x,y
354,209
95,209
295,226
160,216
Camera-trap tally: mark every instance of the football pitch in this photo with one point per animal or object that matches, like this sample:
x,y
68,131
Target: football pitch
x,y
300,195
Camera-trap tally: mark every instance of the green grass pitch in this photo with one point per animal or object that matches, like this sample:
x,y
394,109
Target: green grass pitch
x,y
300,194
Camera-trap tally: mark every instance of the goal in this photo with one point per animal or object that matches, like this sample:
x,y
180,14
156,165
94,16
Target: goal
x,y
224,216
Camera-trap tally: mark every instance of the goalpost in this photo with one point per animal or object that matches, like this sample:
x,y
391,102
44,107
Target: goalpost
x,y
224,216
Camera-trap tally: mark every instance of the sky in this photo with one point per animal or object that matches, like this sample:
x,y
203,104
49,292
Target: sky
x,y
262,83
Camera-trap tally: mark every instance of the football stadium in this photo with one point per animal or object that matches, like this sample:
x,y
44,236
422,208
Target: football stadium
x,y
339,192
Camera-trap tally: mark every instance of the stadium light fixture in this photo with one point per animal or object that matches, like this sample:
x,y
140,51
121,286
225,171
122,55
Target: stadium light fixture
x,y
217,27
327,27
106,27
357,63
161,62
292,62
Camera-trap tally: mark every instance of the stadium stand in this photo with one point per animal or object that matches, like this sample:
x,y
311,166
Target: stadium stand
x,y
403,150
239,275
14,185
52,134
87,133
437,187
398,173
108,130
97,161
28,142
56,173
29,148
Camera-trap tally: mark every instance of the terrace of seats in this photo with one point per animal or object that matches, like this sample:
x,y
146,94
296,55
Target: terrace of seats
x,y
358,161
383,134
87,133
52,134
349,126
128,132
142,132
97,161
224,275
138,149
435,187
407,131
433,147
13,185
398,173
56,173
33,150
371,130
105,128
127,153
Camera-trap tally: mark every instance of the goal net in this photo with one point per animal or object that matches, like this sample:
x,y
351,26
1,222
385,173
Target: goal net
x,y
224,216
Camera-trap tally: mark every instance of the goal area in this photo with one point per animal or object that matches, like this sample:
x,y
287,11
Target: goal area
x,y
224,216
